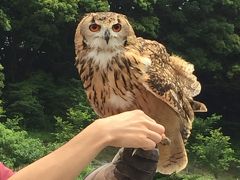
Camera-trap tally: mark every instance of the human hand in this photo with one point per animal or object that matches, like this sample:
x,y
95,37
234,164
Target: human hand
x,y
132,129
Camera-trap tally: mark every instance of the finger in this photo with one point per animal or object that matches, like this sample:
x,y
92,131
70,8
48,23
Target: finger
x,y
141,114
149,144
156,137
148,118
156,128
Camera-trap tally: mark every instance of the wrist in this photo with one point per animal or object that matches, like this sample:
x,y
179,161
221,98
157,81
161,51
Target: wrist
x,y
92,136
103,135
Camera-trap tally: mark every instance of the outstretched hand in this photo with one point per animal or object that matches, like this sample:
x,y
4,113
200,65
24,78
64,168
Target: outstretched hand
x,y
133,129
130,130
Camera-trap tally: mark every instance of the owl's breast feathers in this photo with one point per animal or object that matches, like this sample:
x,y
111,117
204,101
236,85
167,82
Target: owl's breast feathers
x,y
111,88
141,66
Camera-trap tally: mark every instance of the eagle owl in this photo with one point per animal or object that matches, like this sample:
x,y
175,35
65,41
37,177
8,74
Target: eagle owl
x,y
122,72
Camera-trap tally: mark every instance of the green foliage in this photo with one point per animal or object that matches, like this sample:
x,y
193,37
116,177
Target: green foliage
x,y
209,148
141,15
16,148
213,152
90,168
223,42
38,22
204,126
183,176
23,100
234,72
14,123
4,21
148,26
41,97
205,32
77,119
64,130
94,5
59,10
146,5
1,110
1,87
1,79
81,115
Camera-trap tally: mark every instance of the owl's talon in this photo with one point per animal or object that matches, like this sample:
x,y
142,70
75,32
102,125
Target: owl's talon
x,y
165,141
134,152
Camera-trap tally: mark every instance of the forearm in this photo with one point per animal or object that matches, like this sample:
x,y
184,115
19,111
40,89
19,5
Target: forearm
x,y
67,161
130,129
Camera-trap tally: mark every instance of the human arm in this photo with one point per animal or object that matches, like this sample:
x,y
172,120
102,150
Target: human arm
x,y
130,129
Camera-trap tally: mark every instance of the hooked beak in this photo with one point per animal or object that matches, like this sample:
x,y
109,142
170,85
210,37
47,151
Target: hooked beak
x,y
107,35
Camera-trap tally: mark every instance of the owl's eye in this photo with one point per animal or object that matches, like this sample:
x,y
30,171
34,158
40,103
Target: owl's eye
x,y
116,27
94,27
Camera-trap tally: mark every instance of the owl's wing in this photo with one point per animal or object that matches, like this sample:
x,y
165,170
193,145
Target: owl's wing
x,y
171,79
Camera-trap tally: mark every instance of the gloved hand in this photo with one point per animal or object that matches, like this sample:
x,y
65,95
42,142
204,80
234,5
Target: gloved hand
x,y
128,166
138,166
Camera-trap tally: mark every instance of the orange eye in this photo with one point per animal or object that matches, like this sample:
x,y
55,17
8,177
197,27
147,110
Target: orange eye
x,y
94,27
116,27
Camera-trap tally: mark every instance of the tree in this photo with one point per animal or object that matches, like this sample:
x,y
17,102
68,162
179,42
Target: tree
x,y
38,36
213,152
4,21
17,148
39,98
206,33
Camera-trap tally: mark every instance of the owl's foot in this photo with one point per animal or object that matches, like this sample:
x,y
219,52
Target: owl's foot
x,y
165,141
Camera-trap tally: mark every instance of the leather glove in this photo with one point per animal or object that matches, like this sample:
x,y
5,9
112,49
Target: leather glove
x,y
128,165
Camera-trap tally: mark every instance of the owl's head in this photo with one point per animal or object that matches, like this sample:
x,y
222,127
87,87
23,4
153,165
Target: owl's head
x,y
103,30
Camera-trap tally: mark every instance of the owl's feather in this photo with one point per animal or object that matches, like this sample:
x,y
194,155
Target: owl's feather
x,y
170,80
126,73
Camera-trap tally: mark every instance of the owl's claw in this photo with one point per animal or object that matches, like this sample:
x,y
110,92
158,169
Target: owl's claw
x,y
165,141
134,152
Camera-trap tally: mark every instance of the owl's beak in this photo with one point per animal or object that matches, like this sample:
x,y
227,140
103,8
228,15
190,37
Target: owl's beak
x,y
107,35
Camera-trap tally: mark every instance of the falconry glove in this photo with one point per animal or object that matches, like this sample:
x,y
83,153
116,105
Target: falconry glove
x,y
128,165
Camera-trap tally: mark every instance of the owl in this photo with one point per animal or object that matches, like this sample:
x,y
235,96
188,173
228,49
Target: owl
x,y
122,72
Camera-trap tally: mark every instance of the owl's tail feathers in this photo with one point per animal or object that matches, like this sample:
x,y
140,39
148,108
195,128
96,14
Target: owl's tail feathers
x,y
173,157
198,106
